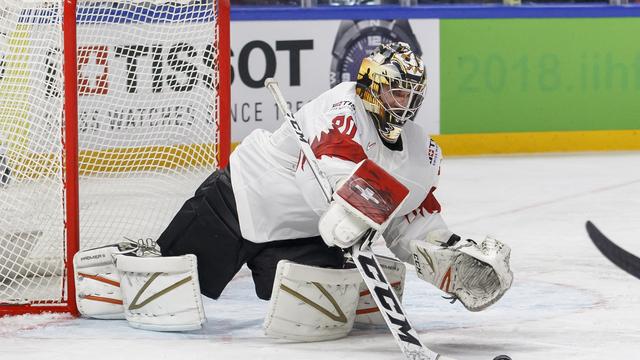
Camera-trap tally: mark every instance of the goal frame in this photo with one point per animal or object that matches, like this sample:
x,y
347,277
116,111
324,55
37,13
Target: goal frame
x,y
69,130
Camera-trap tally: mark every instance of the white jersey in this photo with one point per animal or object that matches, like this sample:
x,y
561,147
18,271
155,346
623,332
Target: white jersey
x,y
276,194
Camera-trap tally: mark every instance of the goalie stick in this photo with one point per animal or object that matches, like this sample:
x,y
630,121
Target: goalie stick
x,y
365,260
617,255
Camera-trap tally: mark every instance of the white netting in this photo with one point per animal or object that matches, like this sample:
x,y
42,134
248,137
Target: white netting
x,y
147,124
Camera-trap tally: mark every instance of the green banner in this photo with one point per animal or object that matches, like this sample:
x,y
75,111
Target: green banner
x,y
514,75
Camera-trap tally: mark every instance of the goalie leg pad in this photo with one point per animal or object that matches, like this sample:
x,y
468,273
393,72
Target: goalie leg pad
x,y
309,303
368,312
161,293
97,280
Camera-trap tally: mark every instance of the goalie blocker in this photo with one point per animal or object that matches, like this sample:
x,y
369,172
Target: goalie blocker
x,y
366,200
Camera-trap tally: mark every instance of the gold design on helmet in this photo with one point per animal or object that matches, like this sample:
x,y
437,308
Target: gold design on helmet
x,y
391,83
367,87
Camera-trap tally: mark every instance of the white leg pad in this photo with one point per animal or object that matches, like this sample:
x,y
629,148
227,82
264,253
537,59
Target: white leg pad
x,y
368,312
312,304
161,293
98,292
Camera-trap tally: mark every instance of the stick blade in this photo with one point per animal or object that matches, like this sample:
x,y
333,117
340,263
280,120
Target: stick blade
x,y
617,255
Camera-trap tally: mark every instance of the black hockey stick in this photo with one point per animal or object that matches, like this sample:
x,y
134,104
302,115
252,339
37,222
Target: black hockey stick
x,y
364,259
617,255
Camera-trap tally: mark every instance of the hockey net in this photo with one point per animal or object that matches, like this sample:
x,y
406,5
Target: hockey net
x,y
151,125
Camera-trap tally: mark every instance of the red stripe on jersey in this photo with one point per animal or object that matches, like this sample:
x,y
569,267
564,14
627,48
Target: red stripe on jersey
x,y
301,160
339,145
430,203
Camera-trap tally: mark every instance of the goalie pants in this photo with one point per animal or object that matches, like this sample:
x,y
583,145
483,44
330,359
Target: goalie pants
x,y
207,226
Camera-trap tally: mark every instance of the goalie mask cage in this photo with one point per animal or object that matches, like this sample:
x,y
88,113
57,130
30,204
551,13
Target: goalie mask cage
x,y
111,114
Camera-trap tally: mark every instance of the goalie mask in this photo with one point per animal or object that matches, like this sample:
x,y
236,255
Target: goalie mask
x,y
391,83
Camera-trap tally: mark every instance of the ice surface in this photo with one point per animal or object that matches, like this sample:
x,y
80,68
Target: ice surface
x,y
567,302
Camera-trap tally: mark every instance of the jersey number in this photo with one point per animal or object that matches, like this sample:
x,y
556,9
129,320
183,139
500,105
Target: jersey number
x,y
345,125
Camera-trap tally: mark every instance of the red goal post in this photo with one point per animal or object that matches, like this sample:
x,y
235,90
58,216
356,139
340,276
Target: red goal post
x,y
111,114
